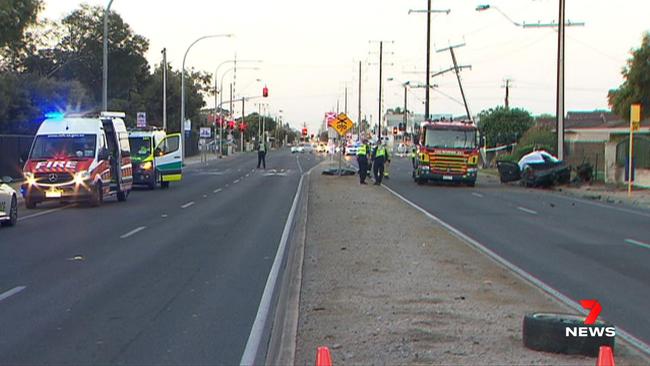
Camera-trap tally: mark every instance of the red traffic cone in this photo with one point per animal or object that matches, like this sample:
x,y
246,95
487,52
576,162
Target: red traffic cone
x,y
605,357
323,357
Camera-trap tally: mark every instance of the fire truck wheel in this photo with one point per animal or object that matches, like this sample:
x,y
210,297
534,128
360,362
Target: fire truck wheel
x,y
122,195
546,332
29,203
97,196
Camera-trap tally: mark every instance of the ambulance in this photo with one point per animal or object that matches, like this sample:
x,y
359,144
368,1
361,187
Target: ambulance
x,y
78,158
156,156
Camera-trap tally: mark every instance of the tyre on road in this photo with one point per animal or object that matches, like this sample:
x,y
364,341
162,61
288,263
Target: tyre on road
x,y
97,196
164,185
122,195
13,213
30,204
546,332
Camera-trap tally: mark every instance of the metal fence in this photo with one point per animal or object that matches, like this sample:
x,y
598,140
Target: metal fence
x,y
12,147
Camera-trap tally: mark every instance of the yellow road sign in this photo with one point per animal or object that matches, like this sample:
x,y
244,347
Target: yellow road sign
x,y
342,124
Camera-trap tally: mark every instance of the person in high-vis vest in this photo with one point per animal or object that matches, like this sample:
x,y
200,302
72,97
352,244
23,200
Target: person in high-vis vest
x,y
380,157
413,155
362,160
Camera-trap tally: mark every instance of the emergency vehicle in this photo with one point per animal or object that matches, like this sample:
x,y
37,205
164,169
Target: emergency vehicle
x,y
78,158
8,203
448,151
156,156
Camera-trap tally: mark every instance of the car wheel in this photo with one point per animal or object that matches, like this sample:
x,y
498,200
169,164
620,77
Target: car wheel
x,y
97,196
546,332
13,213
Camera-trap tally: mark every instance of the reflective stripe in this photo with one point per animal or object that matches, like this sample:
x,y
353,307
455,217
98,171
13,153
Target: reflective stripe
x,y
381,152
362,151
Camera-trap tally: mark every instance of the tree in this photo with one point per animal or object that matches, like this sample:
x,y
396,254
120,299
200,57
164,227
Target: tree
x,y
636,84
502,126
16,16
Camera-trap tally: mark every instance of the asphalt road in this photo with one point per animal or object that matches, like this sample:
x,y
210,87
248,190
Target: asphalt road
x,y
168,277
583,249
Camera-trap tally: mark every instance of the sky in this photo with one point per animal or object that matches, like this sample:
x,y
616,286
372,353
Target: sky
x,y
311,50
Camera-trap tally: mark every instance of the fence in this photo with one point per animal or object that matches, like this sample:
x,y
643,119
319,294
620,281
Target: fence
x,y
11,149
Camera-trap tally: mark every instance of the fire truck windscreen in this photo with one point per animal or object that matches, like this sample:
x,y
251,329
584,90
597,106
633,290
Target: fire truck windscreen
x,y
64,146
450,139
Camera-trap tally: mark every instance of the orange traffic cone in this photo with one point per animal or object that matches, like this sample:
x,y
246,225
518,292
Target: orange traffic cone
x,y
323,357
605,357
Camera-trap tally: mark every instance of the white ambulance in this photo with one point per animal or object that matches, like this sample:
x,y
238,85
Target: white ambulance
x,y
156,156
79,158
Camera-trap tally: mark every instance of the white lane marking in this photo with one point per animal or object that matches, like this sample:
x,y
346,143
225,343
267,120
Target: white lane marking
x,y
248,174
187,205
524,209
205,196
217,190
235,181
44,212
299,165
133,232
11,292
477,195
635,342
255,336
639,243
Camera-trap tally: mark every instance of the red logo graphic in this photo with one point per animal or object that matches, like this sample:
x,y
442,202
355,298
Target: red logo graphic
x,y
595,309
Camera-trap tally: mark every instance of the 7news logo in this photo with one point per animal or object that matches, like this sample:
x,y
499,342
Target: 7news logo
x,y
591,329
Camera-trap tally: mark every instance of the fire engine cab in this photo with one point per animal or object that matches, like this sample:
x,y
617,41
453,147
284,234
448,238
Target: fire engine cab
x,y
78,158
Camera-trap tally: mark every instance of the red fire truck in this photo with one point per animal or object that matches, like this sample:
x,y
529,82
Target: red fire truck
x,y
448,151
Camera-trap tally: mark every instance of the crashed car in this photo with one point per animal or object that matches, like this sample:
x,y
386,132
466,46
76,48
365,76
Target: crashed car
x,y
536,169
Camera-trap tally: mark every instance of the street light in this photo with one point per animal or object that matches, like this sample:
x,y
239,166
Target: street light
x,y
105,67
216,76
183,84
428,12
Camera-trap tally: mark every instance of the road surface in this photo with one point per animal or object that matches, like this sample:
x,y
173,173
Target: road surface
x,y
168,277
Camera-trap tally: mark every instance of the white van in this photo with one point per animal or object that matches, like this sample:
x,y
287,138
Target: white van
x,y
78,158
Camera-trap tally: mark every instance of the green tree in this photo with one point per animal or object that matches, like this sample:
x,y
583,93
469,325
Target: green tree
x,y
636,84
16,16
504,126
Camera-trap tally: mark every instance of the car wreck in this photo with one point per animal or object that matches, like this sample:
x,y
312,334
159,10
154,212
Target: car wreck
x,y
536,169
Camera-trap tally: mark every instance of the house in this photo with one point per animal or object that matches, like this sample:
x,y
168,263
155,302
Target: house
x,y
601,138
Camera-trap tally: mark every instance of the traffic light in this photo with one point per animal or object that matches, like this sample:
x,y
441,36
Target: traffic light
x,y
304,131
242,126
231,124
265,92
395,131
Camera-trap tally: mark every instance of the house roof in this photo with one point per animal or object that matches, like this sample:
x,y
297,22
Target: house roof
x,y
599,119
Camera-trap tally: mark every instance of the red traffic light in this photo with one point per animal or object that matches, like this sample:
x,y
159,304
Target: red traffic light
x,y
242,126
231,124
394,130
304,132
265,92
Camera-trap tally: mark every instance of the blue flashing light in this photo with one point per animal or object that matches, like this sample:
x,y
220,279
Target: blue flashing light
x,y
57,116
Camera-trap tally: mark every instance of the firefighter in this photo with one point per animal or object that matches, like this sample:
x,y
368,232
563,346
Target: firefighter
x,y
362,160
380,157
413,155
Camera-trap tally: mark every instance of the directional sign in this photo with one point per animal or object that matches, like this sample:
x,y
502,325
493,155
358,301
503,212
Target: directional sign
x,y
342,124
205,132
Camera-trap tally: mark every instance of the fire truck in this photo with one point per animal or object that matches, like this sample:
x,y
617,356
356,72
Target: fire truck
x,y
448,151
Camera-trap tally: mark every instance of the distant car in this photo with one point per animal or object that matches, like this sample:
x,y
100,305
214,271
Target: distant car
x,y
8,203
351,149
322,148
537,169
308,148
297,149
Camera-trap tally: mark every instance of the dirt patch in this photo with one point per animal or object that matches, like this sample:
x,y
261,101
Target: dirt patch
x,y
382,284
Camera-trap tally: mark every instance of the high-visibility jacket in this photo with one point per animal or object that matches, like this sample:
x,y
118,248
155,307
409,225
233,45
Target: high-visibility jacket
x,y
362,151
381,151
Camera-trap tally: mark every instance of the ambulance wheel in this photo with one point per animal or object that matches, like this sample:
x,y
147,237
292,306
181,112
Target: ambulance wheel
x,y
164,185
97,196
13,213
122,195
29,203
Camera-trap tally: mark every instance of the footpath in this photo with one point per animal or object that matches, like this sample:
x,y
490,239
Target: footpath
x,y
384,285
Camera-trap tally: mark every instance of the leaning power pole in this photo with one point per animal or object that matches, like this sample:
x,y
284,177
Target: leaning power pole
x,y
457,71
359,110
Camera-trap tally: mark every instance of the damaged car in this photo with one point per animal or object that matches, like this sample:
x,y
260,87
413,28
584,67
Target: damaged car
x,y
536,169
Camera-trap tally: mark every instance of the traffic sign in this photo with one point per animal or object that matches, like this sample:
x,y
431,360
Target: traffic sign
x,y
635,117
142,120
205,132
342,124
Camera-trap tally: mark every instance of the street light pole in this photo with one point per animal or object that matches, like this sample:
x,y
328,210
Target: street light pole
x,y
105,67
182,127
164,52
560,82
